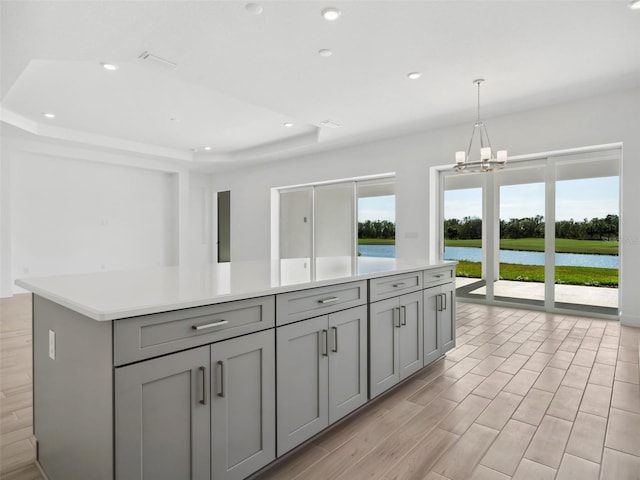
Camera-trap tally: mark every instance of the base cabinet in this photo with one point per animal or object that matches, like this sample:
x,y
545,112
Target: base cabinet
x,y
396,338
203,413
163,417
321,373
439,321
243,430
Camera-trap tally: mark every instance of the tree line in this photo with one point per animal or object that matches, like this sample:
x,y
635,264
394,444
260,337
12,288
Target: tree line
x,y
470,228
376,229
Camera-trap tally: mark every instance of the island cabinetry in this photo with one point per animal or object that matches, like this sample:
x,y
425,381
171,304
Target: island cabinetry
x,y
149,336
162,418
211,407
321,366
243,432
439,314
395,340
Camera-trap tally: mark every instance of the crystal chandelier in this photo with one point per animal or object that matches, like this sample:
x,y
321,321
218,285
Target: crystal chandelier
x,y
486,162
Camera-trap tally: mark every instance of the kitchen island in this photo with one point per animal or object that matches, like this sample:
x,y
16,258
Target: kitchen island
x,y
212,372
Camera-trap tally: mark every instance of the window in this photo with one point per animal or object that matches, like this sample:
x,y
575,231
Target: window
x,y
320,228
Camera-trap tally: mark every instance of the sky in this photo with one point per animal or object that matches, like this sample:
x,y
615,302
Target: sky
x,y
377,208
577,199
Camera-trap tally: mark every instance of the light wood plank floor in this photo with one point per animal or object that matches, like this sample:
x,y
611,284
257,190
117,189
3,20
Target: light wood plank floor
x,y
524,395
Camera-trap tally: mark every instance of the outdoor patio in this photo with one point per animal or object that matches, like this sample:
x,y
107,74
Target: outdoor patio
x,y
575,294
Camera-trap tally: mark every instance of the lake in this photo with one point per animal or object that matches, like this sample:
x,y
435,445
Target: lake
x,y
384,251
472,254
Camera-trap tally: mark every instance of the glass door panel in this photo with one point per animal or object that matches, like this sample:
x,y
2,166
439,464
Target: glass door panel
x,y
334,230
521,247
296,235
463,231
586,235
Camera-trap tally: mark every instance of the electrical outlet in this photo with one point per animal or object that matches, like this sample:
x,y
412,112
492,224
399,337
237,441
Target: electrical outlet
x,y
52,345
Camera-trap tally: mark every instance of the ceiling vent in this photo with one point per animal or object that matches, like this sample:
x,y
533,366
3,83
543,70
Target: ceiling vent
x,y
156,60
329,124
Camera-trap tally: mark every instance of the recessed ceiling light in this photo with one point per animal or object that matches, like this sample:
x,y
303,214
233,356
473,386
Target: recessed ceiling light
x,y
325,52
288,124
206,148
414,75
109,66
331,14
635,5
48,115
253,8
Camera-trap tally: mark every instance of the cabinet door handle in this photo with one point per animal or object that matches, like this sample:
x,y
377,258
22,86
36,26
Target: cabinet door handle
x,y
404,315
325,343
398,285
335,339
396,317
444,301
221,391
210,325
329,300
439,302
203,399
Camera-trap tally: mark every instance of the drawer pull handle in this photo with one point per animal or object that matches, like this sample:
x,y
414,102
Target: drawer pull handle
x,y
210,325
221,392
203,400
325,343
439,275
328,300
398,285
335,339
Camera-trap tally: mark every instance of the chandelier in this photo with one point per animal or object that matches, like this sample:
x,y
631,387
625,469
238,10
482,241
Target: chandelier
x,y
485,162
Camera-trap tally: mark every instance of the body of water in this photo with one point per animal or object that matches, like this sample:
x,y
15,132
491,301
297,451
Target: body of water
x,y
472,254
384,251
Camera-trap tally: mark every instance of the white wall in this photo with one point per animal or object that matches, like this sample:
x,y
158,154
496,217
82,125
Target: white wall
x,y
604,119
70,209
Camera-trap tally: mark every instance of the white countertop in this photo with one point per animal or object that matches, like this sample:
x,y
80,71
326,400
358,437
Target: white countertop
x,y
121,294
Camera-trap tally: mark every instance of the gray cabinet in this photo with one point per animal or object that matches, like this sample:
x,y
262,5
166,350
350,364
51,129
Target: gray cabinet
x,y
242,405
162,418
347,361
439,321
396,340
321,373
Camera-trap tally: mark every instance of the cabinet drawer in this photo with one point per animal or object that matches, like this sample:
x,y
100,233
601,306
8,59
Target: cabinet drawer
x,y
294,306
394,285
158,334
438,276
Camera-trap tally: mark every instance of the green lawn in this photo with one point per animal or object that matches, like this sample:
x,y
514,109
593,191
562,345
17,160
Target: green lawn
x,y
376,241
563,245
597,277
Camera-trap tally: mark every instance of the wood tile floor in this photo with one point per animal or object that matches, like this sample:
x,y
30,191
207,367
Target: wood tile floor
x,y
525,395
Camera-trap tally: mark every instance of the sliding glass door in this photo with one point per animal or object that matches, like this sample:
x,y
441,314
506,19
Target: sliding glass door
x,y
549,232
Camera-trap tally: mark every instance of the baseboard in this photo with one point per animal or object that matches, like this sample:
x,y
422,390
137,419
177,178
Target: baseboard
x,y
39,467
629,320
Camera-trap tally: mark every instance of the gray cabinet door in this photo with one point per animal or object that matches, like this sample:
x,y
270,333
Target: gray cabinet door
x,y
302,381
162,428
447,314
411,336
243,408
384,346
347,361
432,341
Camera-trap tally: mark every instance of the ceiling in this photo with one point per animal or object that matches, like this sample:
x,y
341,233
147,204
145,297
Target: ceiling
x,y
240,76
